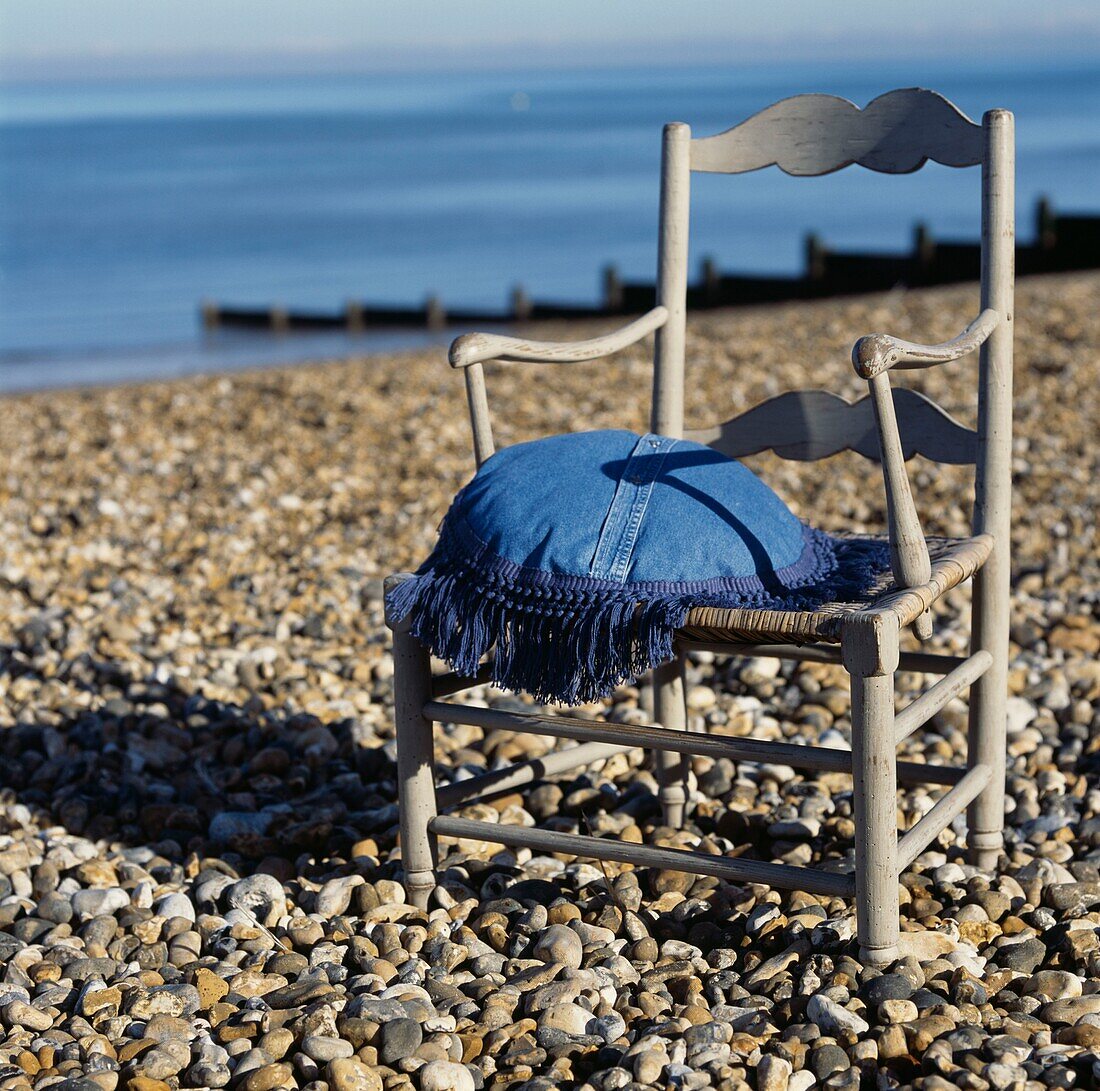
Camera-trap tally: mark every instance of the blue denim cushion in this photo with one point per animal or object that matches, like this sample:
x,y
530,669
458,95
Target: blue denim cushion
x,y
629,508
577,557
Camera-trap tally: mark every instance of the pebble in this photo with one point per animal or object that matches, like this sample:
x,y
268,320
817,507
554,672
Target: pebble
x,y
323,1049
1053,985
559,943
827,1059
260,896
1024,955
888,987
231,826
648,1065
898,1011
925,946
351,1074
335,896
270,1077
174,905
833,1018
446,1076
773,1073
17,1013
99,903
571,1018
400,1038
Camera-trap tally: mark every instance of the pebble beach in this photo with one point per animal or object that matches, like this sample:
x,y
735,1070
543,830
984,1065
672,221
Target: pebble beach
x,y
200,885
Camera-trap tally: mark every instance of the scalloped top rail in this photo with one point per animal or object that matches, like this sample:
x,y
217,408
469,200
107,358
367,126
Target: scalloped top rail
x,y
896,133
806,425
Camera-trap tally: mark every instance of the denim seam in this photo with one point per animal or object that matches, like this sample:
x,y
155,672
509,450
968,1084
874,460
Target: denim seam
x,y
619,534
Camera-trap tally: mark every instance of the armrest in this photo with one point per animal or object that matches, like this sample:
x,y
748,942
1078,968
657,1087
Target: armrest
x,y
474,348
908,549
878,352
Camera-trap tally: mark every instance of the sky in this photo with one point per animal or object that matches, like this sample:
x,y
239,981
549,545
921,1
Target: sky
x,y
52,39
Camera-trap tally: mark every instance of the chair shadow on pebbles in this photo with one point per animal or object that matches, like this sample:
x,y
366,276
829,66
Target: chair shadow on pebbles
x,y
169,778
158,784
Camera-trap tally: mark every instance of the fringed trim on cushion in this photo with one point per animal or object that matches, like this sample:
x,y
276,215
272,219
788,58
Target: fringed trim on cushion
x,y
573,639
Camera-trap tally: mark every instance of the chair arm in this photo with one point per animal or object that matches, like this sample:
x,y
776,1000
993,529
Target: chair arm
x,y
908,549
878,352
474,348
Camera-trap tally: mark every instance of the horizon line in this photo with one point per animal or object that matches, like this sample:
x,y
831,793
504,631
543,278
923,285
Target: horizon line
x,y
1065,45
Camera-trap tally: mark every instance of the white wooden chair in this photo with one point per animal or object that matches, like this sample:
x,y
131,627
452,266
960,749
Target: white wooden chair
x,y
805,135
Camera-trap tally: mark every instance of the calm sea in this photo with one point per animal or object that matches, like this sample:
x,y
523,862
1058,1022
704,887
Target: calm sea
x,y
125,204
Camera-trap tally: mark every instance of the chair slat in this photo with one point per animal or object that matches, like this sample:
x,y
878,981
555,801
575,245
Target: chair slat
x,y
916,714
731,868
805,425
896,133
650,737
953,803
498,781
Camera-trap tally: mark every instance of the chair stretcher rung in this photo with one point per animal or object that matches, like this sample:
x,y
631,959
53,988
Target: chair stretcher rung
x,y
649,737
694,863
916,840
933,699
527,772
917,662
443,685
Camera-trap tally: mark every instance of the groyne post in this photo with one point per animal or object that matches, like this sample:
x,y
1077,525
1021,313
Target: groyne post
x,y
612,289
924,251
815,261
435,316
1046,225
354,316
521,304
710,280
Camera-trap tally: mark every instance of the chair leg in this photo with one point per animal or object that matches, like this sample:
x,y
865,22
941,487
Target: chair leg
x,y
670,710
870,650
988,726
415,764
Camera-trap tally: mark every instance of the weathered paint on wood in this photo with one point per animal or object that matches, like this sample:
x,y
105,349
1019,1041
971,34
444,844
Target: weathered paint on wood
x,y
871,656
649,737
667,417
443,685
734,869
909,558
415,763
946,808
805,425
525,773
916,714
813,134
915,662
670,710
896,133
481,423
878,352
476,348
993,486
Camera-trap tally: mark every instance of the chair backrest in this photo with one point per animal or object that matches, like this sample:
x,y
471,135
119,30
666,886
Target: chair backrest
x,y
809,135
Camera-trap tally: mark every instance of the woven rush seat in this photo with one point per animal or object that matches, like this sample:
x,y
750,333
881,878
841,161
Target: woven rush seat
x,y
954,560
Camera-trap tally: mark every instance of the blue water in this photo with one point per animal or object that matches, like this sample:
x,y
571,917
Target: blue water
x,y
125,204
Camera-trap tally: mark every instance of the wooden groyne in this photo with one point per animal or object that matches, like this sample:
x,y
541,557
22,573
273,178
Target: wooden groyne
x,y
1061,243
